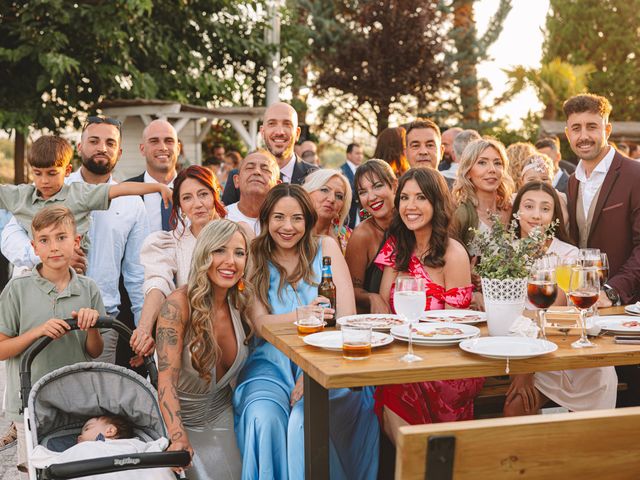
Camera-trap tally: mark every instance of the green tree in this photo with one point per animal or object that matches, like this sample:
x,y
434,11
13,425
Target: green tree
x,y
376,56
460,104
59,58
554,82
604,33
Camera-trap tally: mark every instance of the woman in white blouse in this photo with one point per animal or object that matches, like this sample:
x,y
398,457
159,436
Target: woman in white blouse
x,y
166,256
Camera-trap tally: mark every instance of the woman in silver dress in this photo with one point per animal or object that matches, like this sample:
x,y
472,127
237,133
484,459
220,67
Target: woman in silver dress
x,y
201,347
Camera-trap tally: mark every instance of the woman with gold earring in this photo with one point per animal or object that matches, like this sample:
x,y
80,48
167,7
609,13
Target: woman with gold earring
x,y
166,256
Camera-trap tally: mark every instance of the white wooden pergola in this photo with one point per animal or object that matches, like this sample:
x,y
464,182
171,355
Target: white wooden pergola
x,y
191,122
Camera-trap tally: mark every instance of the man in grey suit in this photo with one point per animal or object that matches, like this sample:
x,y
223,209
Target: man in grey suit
x,y
280,132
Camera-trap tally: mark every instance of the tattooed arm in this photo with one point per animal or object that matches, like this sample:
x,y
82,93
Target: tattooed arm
x,y
169,342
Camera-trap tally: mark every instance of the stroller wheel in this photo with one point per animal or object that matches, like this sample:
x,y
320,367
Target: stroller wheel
x,y
10,438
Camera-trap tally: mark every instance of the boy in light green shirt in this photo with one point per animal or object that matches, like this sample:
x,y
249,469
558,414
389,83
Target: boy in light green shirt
x,y
35,305
50,161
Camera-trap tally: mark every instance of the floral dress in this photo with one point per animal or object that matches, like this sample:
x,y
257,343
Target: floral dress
x,y
435,401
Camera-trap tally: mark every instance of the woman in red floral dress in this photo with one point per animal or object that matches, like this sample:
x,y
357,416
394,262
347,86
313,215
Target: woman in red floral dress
x,y
419,244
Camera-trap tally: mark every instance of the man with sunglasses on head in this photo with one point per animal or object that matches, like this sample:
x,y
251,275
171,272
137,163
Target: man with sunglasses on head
x,y
160,148
115,234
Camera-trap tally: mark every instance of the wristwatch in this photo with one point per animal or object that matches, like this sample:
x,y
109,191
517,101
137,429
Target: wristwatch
x,y
612,294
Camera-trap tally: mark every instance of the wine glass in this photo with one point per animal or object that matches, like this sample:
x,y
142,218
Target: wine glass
x,y
584,290
563,273
604,269
409,300
592,257
542,291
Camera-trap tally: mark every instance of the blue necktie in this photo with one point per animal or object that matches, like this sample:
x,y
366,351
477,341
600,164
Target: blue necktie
x,y
165,213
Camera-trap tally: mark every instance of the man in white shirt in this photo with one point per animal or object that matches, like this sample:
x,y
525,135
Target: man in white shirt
x,y
160,149
259,173
448,136
551,147
116,234
462,139
280,132
604,209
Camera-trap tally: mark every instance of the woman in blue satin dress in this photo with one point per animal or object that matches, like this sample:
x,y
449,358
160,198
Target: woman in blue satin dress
x,y
268,403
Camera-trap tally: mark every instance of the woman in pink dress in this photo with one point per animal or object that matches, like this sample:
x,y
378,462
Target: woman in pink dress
x,y
419,244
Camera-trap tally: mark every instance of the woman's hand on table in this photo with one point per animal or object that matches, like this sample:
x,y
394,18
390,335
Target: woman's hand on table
x,y
477,302
522,385
298,390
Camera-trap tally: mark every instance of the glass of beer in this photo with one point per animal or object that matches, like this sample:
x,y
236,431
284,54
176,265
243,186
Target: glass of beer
x,y
584,290
542,291
310,319
356,342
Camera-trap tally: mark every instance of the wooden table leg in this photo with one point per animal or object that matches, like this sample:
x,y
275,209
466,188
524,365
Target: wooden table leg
x,y
316,430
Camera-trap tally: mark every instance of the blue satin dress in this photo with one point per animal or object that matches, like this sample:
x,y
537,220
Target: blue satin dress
x,y
270,432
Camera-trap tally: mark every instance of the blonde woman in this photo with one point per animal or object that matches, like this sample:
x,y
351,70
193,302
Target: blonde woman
x,y
482,187
330,193
201,349
518,153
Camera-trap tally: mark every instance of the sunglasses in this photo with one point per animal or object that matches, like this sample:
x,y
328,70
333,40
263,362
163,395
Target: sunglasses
x,y
95,119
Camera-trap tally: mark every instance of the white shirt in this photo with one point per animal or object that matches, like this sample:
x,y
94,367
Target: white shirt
x,y
592,184
287,170
557,178
352,166
451,172
116,237
234,214
152,204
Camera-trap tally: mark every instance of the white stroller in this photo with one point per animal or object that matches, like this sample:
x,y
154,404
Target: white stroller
x,y
57,406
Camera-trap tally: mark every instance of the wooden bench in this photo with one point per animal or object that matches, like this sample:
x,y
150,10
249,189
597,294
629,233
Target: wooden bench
x,y
585,445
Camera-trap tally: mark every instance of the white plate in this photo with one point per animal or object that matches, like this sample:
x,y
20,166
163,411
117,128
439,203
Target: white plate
x,y
466,331
373,320
437,343
615,324
333,340
454,316
633,309
508,347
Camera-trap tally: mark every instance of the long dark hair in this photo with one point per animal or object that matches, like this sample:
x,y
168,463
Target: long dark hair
x,y
206,178
561,231
390,147
263,246
434,187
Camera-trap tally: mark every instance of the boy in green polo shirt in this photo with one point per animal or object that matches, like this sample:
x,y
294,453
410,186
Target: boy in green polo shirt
x,y
34,306
50,161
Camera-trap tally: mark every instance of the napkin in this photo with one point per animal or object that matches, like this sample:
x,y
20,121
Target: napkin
x,y
593,328
523,327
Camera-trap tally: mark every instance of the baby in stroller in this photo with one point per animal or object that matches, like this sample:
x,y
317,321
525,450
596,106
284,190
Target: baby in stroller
x,y
102,436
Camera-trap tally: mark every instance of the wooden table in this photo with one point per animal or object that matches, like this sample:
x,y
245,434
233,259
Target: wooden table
x,y
326,369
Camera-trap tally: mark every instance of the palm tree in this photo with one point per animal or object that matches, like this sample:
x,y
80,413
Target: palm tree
x,y
554,82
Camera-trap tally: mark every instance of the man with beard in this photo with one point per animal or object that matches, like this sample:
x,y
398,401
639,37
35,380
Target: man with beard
x,y
160,149
604,209
280,132
116,234
448,136
258,174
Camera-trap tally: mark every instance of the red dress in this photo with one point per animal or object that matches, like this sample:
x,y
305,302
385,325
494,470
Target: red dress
x,y
436,401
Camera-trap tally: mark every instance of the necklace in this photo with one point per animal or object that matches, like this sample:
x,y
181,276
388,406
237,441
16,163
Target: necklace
x,y
377,226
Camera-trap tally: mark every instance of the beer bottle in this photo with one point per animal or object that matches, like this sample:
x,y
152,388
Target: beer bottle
x,y
327,288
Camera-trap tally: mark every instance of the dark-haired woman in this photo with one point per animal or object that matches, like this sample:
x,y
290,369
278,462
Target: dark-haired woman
x,y
268,403
390,147
201,349
166,256
538,206
419,245
375,185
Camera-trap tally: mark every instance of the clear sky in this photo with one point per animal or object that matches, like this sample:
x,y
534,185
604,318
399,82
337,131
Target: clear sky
x,y
520,43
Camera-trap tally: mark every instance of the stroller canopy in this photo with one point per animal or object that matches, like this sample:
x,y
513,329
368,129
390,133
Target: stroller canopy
x,y
68,396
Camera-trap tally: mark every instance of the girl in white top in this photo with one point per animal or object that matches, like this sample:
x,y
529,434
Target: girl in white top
x,y
538,205
166,256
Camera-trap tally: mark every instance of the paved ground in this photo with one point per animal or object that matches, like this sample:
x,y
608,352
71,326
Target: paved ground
x,y
8,457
